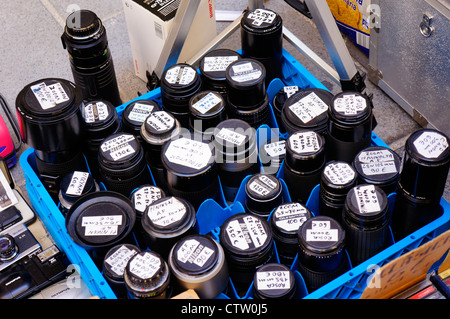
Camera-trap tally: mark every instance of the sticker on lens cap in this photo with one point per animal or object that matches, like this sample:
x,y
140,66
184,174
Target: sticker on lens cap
x,y
350,104
206,103
101,225
218,63
243,72
193,252
77,183
140,112
145,265
189,153
339,173
367,199
431,144
309,107
49,96
166,212
119,259
290,216
182,75
321,231
273,280
94,112
304,142
260,16
276,149
231,136
160,121
377,162
145,196
246,233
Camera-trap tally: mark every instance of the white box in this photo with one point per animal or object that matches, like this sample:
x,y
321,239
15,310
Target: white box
x,y
149,22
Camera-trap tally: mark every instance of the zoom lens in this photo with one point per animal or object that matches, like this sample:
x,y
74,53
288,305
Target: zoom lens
x,y
85,39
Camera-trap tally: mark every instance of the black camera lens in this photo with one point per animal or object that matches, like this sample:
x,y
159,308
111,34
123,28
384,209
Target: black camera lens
x,y
147,276
424,173
248,244
114,264
338,178
321,255
272,155
274,281
50,119
73,186
236,154
307,109
207,109
191,169
92,66
278,102
166,221
7,247
135,115
101,120
212,69
350,126
304,162
198,262
365,220
179,83
100,220
122,164
285,222
262,39
380,166
262,194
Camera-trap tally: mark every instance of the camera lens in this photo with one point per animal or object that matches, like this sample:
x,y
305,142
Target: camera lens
x,y
304,161
73,186
147,276
272,154
207,110
179,83
365,220
424,173
307,109
114,264
274,281
262,39
278,102
350,126
122,165
321,255
50,118
285,222
248,244
338,178
236,154
263,194
166,221
92,66
101,120
191,169
135,114
212,69
198,262
7,247
378,166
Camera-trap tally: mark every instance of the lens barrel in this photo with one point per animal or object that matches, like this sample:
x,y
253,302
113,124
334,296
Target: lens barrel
x,y
274,281
207,109
92,66
263,192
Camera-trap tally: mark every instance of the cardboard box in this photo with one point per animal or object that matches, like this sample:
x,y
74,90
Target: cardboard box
x,y
149,23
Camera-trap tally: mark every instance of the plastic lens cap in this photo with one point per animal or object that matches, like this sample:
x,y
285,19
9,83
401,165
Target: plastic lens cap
x,y
274,281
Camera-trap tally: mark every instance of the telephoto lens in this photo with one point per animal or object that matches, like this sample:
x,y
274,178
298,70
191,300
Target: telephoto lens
x,y
114,264
350,126
135,115
92,66
73,186
179,83
141,198
50,118
207,109
198,262
338,178
247,96
100,220
191,168
278,102
248,244
147,276
263,192
366,220
101,120
425,167
304,162
380,166
272,155
307,109
321,255
166,221
262,39
159,128
122,164
274,281
236,154
285,222
212,69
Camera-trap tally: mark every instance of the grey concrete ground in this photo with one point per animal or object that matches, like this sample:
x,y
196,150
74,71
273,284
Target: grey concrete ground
x,y
31,49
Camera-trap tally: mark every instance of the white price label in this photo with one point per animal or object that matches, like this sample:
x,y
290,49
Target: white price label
x,y
273,280
304,142
166,212
290,90
193,252
206,103
145,196
49,96
309,107
431,144
249,233
160,121
101,225
339,173
182,75
140,112
189,153
231,136
218,63
350,104
145,265
367,199
276,149
260,16
95,112
77,183
119,259
290,216
116,142
245,72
